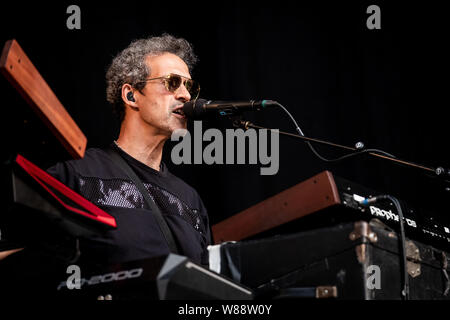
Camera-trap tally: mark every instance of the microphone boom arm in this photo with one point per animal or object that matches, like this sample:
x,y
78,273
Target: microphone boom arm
x,y
439,172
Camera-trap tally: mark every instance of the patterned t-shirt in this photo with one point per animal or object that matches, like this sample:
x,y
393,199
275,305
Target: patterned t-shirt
x,y
97,178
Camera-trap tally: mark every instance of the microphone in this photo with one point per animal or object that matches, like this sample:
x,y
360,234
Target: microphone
x,y
198,108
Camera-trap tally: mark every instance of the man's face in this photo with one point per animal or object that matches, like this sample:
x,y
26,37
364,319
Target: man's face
x,y
156,104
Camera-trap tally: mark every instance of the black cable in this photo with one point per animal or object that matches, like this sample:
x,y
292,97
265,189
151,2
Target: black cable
x,y
359,152
402,241
365,202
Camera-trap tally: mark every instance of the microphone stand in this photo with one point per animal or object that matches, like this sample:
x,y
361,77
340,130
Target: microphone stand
x,y
439,172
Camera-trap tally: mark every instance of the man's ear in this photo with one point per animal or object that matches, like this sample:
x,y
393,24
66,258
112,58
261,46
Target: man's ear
x,y
128,96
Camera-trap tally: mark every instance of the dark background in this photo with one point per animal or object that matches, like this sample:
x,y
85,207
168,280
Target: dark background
x,y
340,80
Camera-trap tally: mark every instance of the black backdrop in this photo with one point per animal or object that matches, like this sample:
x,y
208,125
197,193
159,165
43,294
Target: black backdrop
x,y
340,80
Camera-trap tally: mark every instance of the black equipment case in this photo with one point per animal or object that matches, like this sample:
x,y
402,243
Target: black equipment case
x,y
357,260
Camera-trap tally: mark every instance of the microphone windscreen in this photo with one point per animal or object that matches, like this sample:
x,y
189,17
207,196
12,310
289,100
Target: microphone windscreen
x,y
194,109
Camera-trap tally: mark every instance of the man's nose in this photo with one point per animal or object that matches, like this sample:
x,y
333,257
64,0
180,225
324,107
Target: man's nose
x,y
182,93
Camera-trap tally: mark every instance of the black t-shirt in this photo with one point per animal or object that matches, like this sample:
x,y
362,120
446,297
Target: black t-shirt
x,y
97,178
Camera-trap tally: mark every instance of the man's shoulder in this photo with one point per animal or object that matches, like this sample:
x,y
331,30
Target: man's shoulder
x,y
94,158
95,163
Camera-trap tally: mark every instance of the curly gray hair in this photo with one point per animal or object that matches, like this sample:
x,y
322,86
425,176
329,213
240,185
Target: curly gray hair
x,y
129,65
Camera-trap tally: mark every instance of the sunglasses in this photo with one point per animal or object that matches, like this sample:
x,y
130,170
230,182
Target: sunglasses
x,y
174,81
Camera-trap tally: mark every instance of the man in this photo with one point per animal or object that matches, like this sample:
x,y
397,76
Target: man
x,y
147,84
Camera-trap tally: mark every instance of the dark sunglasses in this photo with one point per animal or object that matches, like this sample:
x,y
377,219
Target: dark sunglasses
x,y
174,81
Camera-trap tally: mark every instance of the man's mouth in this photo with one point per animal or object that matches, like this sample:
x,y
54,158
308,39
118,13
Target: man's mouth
x,y
178,111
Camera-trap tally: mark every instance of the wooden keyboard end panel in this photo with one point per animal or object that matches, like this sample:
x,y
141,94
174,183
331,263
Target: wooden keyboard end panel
x,y
309,196
22,74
